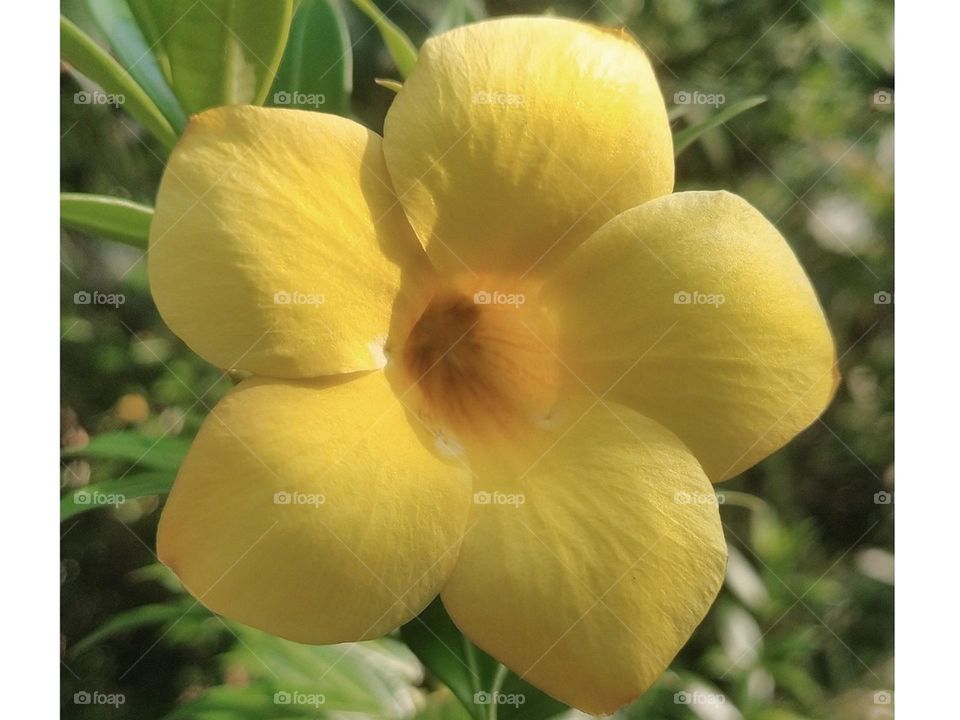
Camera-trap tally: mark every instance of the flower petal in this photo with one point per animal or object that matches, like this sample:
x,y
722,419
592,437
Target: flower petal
x,y
591,556
693,310
278,244
312,511
513,139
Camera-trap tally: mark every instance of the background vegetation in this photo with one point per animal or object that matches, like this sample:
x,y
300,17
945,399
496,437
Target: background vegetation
x,y
804,625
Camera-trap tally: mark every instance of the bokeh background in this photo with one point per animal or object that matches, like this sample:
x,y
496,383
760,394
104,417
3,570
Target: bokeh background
x,y
804,625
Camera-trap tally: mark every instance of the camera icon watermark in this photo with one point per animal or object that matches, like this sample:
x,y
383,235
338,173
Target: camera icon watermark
x,y
295,697
98,97
299,99
485,297
695,97
690,697
95,297
498,698
502,99
685,297
286,297
883,498
299,498
883,298
683,497
96,498
883,97
499,498
85,697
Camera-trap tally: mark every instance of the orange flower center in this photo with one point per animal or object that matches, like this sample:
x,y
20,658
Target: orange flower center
x,y
481,359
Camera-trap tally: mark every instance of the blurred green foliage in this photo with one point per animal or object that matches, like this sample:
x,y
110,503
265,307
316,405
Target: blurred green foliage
x,y
804,626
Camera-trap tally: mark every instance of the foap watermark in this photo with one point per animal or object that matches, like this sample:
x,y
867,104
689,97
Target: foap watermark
x,y
698,498
503,99
883,97
883,498
86,697
498,698
285,297
298,498
98,97
95,297
484,297
299,99
688,697
883,298
684,297
499,498
695,97
96,498
295,697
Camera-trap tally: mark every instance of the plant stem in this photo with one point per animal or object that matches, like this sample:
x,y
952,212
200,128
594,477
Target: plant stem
x,y
498,679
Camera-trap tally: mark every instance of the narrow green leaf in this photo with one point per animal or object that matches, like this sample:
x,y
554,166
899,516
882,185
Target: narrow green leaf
x,y
112,218
456,13
686,137
224,52
112,493
401,49
129,620
471,674
118,24
255,701
377,677
442,705
316,72
88,59
438,643
157,573
536,705
153,18
388,84
164,453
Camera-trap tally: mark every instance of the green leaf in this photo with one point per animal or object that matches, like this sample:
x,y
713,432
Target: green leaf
x,y
111,493
109,217
88,59
117,23
536,704
686,137
164,453
129,620
317,67
157,573
470,673
377,677
223,52
442,705
152,19
441,646
388,84
401,49
456,13
255,701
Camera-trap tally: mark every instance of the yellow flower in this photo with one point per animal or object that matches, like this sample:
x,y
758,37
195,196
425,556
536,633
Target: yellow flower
x,y
493,359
